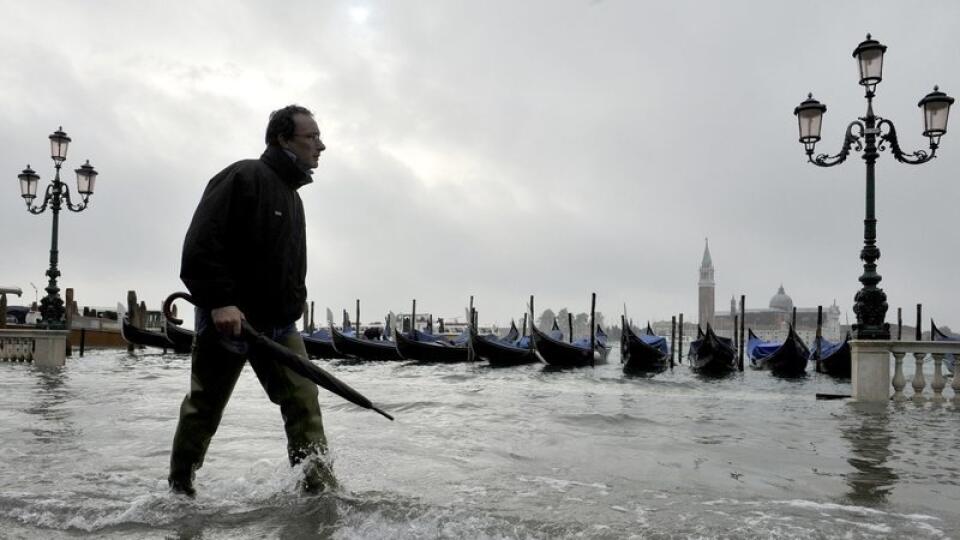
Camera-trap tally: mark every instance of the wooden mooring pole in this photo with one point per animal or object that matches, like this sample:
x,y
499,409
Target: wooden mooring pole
x,y
743,329
673,337
899,324
819,338
473,324
593,327
919,322
680,341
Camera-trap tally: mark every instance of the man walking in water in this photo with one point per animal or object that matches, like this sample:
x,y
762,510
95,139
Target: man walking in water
x,y
245,257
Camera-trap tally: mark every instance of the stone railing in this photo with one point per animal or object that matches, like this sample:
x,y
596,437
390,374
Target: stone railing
x,y
43,348
871,377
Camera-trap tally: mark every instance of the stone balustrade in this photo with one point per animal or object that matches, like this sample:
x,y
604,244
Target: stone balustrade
x,y
43,348
872,380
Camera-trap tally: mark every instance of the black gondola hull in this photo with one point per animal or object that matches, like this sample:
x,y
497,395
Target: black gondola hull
x,y
364,349
500,354
320,348
789,360
410,349
560,354
144,338
639,357
837,364
181,338
712,355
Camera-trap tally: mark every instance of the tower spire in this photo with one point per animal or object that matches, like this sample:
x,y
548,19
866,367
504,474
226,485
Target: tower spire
x,y
706,287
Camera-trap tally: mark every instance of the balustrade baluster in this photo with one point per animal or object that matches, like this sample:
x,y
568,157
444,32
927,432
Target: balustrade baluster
x,y
919,383
938,383
956,379
899,381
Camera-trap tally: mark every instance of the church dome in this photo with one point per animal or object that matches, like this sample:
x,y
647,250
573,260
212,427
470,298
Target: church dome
x,y
781,301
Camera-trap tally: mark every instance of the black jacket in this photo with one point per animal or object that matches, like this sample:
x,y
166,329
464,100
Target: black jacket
x,y
246,245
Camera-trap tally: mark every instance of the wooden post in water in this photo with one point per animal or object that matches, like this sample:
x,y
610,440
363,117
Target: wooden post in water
x,y
593,327
3,310
736,334
523,331
743,330
358,318
68,317
680,341
570,326
306,317
793,320
473,324
819,338
313,327
131,314
413,319
899,324
919,322
673,337
532,316
83,340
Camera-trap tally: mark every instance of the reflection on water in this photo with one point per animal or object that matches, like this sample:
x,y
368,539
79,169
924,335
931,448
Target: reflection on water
x,y
870,439
479,453
48,407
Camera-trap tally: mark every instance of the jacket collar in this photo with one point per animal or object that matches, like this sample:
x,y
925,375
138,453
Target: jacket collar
x,y
286,168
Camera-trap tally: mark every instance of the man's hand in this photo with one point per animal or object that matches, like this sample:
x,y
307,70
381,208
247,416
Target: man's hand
x,y
227,320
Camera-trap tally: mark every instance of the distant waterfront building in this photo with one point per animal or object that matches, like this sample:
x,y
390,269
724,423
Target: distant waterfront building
x,y
768,323
707,289
771,323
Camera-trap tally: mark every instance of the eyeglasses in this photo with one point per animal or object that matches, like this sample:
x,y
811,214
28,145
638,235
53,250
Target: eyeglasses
x,y
315,137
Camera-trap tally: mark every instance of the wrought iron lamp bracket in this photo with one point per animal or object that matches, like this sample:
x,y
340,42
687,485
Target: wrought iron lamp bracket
x,y
850,140
74,207
47,196
890,137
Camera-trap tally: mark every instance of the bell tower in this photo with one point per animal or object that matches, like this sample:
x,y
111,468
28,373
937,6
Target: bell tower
x,y
707,289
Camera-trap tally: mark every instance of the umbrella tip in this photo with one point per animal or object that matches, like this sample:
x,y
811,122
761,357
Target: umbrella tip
x,y
387,416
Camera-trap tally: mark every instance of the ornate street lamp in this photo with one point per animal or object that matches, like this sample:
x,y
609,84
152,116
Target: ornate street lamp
x,y
870,301
57,195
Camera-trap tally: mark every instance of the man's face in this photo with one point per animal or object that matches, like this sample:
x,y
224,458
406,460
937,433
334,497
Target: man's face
x,y
305,141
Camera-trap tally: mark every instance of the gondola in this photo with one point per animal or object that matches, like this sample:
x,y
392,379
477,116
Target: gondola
x,y
834,358
181,338
319,344
949,360
557,353
511,350
600,344
144,338
364,349
643,353
711,354
785,359
423,347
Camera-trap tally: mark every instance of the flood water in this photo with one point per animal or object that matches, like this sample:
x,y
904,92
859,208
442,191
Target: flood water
x,y
477,452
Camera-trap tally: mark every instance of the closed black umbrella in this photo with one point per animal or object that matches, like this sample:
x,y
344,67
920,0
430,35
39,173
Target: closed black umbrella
x,y
288,358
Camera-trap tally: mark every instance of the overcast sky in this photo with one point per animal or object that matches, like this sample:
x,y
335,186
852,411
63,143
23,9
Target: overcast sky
x,y
496,149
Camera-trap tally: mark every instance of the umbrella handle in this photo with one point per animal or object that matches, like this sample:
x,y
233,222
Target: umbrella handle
x,y
168,306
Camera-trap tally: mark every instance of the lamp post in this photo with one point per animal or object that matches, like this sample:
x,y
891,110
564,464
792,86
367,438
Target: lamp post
x,y
57,196
872,134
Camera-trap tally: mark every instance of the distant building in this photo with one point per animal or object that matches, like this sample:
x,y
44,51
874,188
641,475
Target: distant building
x,y
768,323
707,289
771,323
